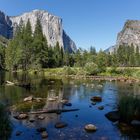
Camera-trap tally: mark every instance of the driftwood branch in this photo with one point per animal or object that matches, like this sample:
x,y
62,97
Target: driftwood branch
x,y
53,111
24,85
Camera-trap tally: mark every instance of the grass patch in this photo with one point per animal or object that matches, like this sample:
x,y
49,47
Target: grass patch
x,y
129,108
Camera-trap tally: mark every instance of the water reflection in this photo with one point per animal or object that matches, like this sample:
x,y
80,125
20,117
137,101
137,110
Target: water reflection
x,y
78,93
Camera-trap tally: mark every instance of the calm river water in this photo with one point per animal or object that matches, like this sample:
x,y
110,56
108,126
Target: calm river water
x,y
78,92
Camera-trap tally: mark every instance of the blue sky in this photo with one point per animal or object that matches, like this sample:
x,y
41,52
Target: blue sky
x,y
87,22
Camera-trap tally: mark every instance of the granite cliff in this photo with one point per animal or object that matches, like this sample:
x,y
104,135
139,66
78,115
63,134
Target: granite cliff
x,y
130,34
51,25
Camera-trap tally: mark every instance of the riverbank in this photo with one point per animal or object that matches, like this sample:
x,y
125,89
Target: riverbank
x,y
124,74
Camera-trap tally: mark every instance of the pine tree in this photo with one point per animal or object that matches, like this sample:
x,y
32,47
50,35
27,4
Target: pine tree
x,y
26,47
137,57
2,57
40,47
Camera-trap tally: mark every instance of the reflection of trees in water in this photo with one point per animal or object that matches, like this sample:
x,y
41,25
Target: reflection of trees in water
x,y
2,77
5,124
128,88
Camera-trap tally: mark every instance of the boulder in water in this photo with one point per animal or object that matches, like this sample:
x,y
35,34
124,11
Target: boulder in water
x,y
60,124
96,98
90,128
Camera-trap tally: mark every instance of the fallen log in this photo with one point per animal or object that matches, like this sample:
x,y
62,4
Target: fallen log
x,y
23,85
9,83
58,111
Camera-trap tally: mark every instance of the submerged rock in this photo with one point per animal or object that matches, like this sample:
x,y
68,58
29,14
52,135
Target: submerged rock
x,y
96,98
60,124
101,107
113,116
40,117
44,134
90,128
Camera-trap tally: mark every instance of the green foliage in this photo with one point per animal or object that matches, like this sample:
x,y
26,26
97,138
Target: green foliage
x,y
136,73
129,108
5,125
91,68
68,70
128,56
2,57
29,50
102,61
112,70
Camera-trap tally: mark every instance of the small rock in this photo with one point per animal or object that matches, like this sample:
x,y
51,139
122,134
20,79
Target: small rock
x,y
90,128
135,123
60,124
100,86
30,98
18,133
41,129
44,134
96,99
41,117
22,116
101,107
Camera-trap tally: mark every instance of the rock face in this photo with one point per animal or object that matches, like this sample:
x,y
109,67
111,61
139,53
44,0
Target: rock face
x,y
51,26
5,26
129,35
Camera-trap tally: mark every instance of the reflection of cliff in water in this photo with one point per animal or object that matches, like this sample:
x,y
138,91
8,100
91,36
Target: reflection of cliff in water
x,y
49,105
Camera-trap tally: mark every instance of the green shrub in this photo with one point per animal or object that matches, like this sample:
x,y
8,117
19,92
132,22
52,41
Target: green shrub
x,y
136,73
125,71
112,70
68,70
91,68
